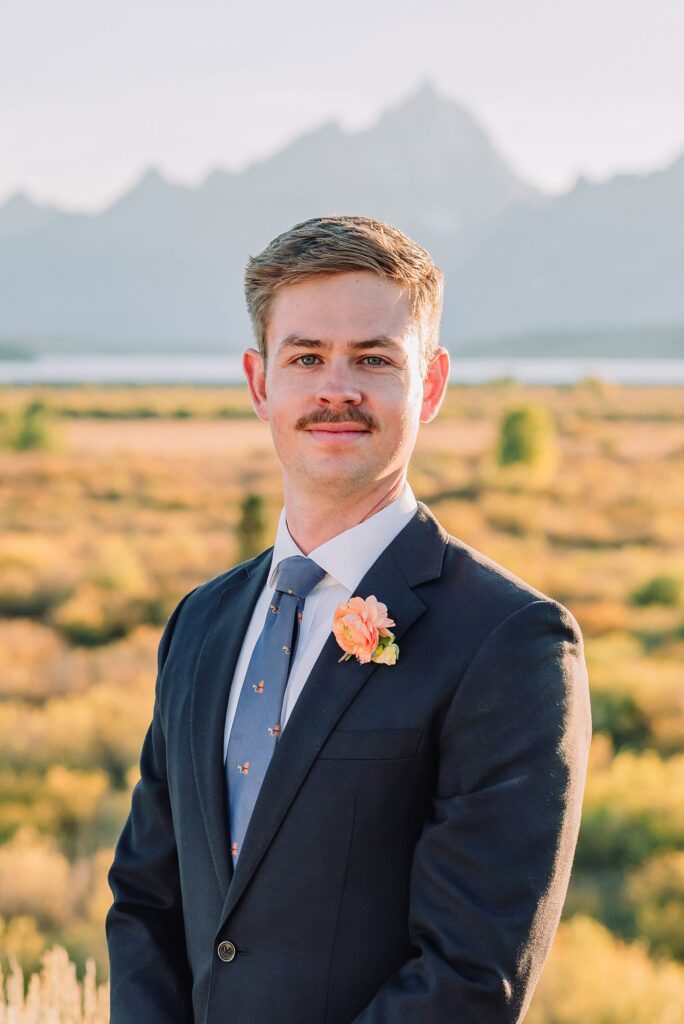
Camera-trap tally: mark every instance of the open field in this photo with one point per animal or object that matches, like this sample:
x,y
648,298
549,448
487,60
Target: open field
x,y
132,496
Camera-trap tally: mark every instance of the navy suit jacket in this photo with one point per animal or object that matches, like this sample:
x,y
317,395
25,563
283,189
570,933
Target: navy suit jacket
x,y
409,853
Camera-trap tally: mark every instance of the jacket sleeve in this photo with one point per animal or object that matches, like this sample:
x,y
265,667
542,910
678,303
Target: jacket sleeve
x,y
150,978
492,865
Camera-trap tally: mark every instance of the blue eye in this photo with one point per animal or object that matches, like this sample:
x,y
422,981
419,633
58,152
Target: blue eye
x,y
308,355
380,360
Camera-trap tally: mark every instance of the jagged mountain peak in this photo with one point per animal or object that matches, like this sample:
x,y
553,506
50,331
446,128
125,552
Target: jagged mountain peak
x,y
166,261
20,214
319,139
19,201
151,189
425,109
152,182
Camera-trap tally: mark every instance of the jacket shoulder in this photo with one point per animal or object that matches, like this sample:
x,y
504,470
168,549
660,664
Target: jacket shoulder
x,y
199,602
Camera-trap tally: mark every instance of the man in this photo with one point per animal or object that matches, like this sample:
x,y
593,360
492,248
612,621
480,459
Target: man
x,y
360,792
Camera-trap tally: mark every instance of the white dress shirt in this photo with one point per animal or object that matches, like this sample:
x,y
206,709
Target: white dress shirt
x,y
346,559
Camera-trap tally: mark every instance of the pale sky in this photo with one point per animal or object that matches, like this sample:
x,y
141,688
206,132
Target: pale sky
x,y
92,92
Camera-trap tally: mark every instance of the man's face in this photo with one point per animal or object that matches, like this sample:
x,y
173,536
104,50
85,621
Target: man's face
x,y
342,388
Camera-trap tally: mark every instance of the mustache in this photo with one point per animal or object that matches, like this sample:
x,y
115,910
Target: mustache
x,y
323,416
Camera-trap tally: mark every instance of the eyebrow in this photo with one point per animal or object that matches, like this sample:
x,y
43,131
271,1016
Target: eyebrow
x,y
382,341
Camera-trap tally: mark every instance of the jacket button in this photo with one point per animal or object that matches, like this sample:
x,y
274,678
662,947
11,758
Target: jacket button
x,y
226,951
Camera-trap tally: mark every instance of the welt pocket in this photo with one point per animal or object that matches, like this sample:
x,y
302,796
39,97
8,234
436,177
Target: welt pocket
x,y
371,744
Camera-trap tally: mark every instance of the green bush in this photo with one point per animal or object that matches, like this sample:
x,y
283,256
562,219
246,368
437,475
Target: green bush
x,y
527,435
252,526
619,715
633,809
35,429
656,894
662,589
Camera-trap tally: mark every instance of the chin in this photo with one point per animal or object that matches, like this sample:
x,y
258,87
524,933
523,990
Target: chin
x,y
337,473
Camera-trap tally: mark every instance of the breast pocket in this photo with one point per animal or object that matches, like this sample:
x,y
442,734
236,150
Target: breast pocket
x,y
371,744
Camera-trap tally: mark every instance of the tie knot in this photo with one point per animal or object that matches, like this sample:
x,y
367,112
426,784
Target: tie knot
x,y
298,575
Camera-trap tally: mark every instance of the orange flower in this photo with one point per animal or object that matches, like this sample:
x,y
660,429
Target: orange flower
x,y
358,625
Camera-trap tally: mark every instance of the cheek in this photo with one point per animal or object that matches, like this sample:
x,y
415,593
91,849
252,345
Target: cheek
x,y
278,415
283,398
287,395
404,409
399,432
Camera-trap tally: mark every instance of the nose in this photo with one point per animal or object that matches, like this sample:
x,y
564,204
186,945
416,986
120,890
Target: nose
x,y
337,387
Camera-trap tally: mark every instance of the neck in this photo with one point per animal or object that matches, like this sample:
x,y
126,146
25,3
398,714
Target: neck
x,y
313,523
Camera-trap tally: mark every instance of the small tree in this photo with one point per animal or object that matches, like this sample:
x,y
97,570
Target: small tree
x,y
34,430
527,435
251,527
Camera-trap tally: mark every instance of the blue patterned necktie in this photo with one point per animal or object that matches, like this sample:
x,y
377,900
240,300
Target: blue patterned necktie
x,y
256,725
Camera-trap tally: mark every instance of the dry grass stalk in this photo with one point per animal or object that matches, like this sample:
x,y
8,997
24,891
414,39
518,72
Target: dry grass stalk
x,y
54,996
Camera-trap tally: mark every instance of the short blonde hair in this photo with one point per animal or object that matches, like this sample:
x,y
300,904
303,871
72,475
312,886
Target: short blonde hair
x,y
335,245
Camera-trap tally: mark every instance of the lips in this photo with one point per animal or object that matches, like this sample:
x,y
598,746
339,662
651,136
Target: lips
x,y
337,433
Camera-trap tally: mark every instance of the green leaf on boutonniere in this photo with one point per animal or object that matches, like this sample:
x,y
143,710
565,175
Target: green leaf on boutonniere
x,y
387,652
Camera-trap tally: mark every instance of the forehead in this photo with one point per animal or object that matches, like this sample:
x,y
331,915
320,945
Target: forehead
x,y
354,305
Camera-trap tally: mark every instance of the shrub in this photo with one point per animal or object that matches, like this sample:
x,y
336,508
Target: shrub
x,y
21,939
70,801
656,893
34,879
30,652
619,715
117,568
633,808
101,729
527,435
92,617
35,429
593,978
636,698
662,589
35,574
251,527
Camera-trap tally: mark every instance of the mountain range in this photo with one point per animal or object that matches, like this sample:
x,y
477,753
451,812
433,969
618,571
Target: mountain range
x,y
161,267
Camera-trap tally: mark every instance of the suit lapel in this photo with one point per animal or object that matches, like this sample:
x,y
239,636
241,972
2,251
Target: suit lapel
x,y
413,557
213,676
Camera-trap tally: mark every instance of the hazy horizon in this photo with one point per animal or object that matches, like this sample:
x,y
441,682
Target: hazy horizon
x,y
93,96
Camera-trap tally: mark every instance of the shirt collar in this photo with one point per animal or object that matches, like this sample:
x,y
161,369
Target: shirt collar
x,y
347,557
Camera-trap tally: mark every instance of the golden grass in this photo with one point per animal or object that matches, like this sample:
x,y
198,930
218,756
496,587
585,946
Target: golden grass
x,y
142,503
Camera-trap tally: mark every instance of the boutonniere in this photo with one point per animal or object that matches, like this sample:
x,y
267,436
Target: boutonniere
x,y
360,628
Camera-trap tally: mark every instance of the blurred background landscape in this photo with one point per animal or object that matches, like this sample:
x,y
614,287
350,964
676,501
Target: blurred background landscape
x,y
117,501
595,271
538,153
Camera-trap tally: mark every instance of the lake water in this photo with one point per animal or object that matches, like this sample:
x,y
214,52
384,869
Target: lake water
x,y
218,369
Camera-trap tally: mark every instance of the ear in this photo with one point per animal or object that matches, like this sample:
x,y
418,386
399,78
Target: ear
x,y
435,385
255,371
